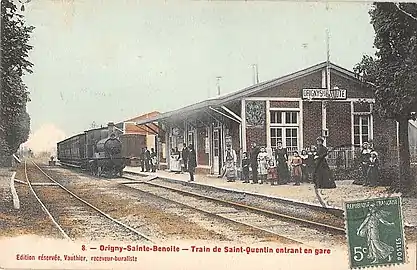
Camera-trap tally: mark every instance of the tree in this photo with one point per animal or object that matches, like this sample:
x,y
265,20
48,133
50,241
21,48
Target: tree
x,y
392,73
14,120
18,131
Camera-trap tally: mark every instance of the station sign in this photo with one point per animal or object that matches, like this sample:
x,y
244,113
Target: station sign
x,y
322,93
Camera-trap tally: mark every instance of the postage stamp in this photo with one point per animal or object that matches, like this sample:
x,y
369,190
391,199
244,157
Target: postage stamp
x,y
375,232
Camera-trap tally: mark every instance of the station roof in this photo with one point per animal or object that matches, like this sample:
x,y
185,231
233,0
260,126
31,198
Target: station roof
x,y
248,91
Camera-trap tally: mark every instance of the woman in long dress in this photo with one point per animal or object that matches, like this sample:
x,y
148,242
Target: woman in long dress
x,y
230,160
281,158
323,177
263,165
364,157
373,170
311,167
177,156
377,250
304,172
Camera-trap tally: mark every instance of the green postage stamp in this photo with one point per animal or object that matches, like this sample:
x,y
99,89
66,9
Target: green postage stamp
x,y
375,232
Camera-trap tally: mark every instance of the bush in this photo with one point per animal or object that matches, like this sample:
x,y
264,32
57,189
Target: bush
x,y
389,175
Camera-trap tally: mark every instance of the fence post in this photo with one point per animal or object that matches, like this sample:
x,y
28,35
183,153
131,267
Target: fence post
x,y
346,159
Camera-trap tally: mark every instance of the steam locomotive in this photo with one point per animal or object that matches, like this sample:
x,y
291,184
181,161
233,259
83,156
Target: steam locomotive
x,y
98,151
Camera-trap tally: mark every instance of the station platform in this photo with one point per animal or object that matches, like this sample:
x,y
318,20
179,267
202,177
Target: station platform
x,y
305,193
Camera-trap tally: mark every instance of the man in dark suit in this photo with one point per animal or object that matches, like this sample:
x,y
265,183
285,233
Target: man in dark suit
x,y
142,159
192,161
147,159
184,155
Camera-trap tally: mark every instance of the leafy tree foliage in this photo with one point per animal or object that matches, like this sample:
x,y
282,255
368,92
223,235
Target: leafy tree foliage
x,y
392,73
18,131
15,35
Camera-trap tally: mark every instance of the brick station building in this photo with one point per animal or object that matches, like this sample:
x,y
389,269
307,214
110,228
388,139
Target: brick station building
x,y
294,109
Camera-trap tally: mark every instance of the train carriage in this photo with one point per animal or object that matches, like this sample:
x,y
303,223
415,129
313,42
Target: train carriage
x,y
70,151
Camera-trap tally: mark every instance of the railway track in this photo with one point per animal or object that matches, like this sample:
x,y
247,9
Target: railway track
x,y
310,220
74,217
255,218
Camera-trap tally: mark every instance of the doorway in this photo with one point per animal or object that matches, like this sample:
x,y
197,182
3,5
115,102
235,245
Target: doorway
x,y
217,150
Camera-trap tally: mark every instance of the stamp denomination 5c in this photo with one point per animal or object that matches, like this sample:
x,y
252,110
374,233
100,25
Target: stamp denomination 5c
x,y
375,232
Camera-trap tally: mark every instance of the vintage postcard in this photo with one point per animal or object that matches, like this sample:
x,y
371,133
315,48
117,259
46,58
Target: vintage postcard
x,y
208,135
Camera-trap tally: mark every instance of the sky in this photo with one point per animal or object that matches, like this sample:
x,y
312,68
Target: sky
x,y
106,60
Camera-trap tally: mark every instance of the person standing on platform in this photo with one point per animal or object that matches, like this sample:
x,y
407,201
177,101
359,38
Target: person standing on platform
x,y
245,168
263,165
192,161
281,158
272,172
176,161
311,167
184,156
230,160
154,160
142,159
364,158
254,163
323,177
147,159
373,170
304,158
297,172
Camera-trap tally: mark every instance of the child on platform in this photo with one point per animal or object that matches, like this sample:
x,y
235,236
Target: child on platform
x,y
272,172
245,168
296,163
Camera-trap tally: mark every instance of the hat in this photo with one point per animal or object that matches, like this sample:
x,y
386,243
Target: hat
x,y
320,139
374,153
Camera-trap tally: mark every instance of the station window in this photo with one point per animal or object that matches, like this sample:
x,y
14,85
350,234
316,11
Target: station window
x,y
291,118
276,117
284,128
276,135
285,118
361,129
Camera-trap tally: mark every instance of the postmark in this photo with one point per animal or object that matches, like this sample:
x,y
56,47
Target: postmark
x,y
375,232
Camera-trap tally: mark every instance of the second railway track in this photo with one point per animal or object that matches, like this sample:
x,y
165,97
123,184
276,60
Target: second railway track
x,y
74,217
294,229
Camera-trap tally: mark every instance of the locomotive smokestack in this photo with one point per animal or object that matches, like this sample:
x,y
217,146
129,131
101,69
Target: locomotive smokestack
x,y
110,128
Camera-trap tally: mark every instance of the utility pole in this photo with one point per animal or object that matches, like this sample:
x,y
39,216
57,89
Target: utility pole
x,y
2,151
255,74
218,85
324,103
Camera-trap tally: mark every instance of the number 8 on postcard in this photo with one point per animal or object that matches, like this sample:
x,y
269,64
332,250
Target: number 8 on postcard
x,y
375,232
